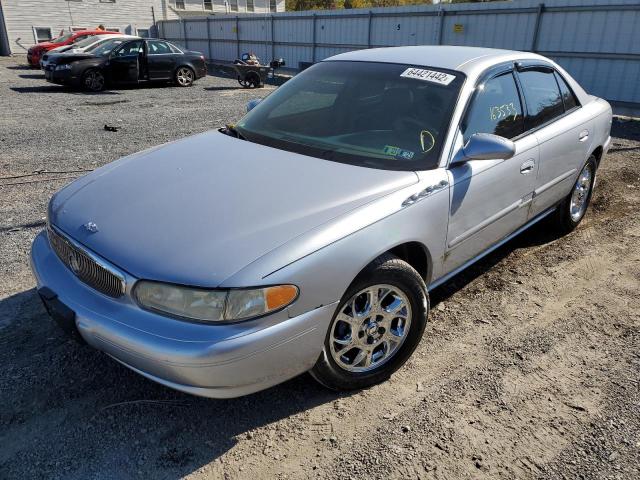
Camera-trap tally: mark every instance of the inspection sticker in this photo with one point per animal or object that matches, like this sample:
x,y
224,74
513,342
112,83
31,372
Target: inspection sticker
x,y
398,152
428,76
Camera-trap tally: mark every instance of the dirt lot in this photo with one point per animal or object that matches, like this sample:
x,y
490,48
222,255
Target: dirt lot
x,y
529,368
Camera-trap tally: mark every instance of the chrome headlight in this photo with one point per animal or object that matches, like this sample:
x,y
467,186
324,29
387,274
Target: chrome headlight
x,y
213,305
66,66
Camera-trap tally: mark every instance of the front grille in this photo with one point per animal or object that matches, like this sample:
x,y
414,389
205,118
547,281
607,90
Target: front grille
x,y
86,268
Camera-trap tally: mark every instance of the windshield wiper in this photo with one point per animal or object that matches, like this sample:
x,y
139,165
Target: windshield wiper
x,y
232,132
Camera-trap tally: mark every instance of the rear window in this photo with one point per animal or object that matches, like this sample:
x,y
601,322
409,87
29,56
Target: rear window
x,y
541,92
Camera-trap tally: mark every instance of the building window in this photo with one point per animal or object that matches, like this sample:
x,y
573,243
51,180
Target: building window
x,y
42,34
143,32
250,6
180,4
208,4
112,29
233,5
78,29
273,5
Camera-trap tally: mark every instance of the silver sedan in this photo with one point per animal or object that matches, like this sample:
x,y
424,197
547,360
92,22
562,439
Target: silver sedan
x,y
307,236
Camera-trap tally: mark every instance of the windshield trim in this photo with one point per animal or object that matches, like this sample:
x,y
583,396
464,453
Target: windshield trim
x,y
361,160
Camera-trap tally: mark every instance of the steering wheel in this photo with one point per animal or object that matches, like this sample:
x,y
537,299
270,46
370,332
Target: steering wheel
x,y
407,124
426,136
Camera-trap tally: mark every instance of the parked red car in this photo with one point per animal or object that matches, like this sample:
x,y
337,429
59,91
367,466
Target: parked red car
x,y
35,52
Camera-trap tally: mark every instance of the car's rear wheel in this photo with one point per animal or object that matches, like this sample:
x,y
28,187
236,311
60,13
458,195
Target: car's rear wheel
x,y
573,208
93,80
376,327
185,77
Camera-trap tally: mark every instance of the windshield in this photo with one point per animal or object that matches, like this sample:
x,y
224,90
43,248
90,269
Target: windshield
x,y
99,43
379,115
62,38
105,48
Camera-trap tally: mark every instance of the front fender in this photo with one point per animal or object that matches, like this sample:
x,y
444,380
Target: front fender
x,y
324,261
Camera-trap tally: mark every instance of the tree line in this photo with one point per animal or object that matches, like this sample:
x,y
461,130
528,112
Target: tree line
x,y
297,5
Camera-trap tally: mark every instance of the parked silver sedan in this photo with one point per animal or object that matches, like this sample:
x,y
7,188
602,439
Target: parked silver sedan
x,y
307,236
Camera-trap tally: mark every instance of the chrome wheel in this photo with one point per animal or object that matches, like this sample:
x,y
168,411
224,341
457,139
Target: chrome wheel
x,y
580,195
370,328
184,77
94,81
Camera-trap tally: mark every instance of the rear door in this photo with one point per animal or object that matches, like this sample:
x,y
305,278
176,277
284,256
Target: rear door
x,y
161,61
562,132
124,62
490,198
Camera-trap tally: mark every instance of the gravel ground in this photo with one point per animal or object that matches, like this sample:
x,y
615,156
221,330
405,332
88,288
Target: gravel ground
x,y
529,368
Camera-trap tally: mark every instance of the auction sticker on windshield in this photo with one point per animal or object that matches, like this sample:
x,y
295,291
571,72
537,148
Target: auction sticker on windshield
x,y
428,75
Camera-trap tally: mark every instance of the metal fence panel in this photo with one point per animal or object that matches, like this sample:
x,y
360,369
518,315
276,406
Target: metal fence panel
x,y
597,41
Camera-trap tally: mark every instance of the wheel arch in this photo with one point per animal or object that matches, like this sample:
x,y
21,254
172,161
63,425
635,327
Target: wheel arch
x,y
597,152
414,253
417,255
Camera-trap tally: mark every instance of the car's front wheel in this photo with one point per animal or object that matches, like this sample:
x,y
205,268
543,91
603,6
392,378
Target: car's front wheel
x,y
376,327
93,80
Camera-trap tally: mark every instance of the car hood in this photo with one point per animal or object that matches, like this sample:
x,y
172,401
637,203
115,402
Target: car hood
x,y
69,56
197,210
44,46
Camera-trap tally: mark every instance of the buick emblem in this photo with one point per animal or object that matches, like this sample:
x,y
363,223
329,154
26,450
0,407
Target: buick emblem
x,y
91,227
74,263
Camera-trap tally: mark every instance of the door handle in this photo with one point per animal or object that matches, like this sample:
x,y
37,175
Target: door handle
x,y
583,135
527,167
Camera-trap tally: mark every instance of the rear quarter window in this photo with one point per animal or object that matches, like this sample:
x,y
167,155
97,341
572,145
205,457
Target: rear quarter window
x,y
568,97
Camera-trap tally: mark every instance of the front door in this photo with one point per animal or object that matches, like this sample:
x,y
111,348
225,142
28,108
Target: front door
x,y
124,62
161,61
489,199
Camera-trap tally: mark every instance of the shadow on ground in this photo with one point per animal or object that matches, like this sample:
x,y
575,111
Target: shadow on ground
x,y
72,411
59,89
75,413
20,67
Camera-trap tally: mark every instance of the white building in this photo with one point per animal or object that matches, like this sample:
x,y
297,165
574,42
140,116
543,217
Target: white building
x,y
24,23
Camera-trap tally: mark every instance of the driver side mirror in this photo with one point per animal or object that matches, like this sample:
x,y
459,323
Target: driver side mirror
x,y
251,104
486,146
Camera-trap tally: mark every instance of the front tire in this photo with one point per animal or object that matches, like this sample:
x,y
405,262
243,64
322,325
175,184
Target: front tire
x,y
93,80
573,208
377,326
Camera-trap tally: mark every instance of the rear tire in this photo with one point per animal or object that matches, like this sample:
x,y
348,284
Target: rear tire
x,y
573,208
376,327
93,80
184,77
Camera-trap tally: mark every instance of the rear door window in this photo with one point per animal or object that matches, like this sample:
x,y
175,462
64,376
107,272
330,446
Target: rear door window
x,y
541,92
495,109
158,48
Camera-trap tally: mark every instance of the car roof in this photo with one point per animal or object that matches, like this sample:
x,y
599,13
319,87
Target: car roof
x,y
465,59
112,36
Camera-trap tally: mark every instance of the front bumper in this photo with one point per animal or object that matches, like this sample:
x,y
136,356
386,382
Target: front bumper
x,y
60,77
219,361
